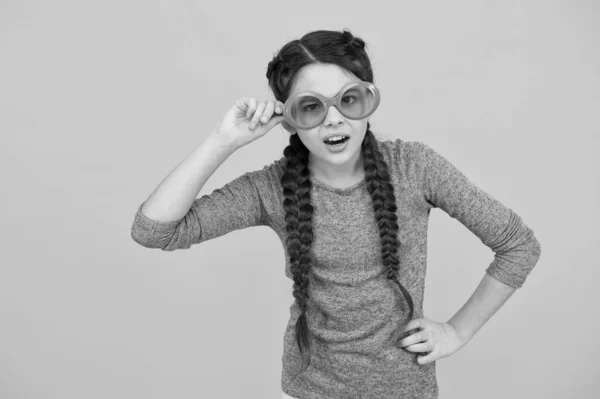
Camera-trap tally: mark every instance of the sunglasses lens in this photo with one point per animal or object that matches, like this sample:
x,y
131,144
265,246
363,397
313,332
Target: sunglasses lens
x,y
307,111
356,103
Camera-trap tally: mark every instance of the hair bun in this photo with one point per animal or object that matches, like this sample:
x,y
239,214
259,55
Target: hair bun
x,y
352,40
348,37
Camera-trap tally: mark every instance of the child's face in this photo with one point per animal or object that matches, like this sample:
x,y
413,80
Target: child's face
x,y
327,80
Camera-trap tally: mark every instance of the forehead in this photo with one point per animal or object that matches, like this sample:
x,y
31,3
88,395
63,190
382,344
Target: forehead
x,y
324,79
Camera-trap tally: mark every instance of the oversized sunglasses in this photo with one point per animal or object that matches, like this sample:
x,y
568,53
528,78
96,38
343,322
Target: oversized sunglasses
x,y
307,110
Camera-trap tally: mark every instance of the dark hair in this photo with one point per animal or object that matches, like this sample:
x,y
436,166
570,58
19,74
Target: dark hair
x,y
348,52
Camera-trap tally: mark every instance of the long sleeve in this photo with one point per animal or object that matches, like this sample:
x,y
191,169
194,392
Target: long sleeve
x,y
515,247
237,205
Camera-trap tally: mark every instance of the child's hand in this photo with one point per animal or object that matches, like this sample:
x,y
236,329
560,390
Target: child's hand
x,y
435,340
248,120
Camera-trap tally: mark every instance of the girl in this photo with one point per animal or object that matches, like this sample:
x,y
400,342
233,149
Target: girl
x,y
351,212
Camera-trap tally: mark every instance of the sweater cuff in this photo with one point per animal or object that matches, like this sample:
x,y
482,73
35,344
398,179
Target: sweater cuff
x,y
512,270
507,278
154,225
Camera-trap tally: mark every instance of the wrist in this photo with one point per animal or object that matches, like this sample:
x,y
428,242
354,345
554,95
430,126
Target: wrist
x,y
222,142
461,330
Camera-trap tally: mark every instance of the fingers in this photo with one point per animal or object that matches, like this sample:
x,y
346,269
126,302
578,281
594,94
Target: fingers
x,y
409,332
420,347
261,112
415,324
258,113
415,338
266,115
251,106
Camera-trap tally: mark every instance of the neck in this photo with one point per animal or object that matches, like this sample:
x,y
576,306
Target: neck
x,y
350,171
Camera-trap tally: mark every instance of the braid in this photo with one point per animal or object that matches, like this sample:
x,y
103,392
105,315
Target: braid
x,y
298,216
384,205
348,52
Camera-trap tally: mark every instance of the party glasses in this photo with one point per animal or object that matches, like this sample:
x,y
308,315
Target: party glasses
x,y
308,110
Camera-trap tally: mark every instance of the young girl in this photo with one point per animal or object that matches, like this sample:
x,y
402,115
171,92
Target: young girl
x,y
351,212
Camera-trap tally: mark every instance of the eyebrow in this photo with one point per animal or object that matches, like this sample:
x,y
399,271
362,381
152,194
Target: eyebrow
x,y
313,91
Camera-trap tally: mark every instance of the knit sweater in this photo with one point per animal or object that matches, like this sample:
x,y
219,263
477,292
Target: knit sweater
x,y
354,312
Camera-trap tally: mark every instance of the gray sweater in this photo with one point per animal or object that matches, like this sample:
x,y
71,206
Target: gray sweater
x,y
354,313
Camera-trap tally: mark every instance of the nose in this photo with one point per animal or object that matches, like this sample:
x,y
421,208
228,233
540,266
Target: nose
x,y
333,116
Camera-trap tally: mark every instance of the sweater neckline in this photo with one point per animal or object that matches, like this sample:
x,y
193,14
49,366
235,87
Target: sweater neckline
x,y
344,190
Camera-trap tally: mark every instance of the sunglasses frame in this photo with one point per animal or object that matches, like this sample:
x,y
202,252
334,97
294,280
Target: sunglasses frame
x,y
328,102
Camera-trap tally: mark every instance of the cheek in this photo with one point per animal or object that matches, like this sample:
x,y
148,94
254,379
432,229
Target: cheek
x,y
310,138
360,131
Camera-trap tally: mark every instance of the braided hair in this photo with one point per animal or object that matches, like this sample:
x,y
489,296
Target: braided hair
x,y
348,52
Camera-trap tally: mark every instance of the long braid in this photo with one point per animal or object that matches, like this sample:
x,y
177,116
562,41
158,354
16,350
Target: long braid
x,y
384,205
348,52
298,217
296,190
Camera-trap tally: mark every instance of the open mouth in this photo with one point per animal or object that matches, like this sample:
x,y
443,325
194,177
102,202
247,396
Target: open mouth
x,y
337,141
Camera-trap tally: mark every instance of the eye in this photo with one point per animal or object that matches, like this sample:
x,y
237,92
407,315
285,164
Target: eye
x,y
310,107
351,99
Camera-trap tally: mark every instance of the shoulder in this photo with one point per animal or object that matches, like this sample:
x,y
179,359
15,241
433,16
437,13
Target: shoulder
x,y
272,172
267,182
403,152
408,160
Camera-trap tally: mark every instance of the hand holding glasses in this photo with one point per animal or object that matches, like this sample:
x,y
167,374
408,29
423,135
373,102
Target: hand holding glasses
x,y
305,110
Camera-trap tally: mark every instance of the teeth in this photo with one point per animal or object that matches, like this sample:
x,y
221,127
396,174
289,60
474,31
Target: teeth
x,y
335,138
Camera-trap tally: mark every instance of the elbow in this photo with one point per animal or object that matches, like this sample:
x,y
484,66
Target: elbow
x,y
537,249
167,236
528,242
532,250
146,237
143,238
152,234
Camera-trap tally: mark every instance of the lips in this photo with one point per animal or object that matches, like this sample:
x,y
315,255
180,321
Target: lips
x,y
326,138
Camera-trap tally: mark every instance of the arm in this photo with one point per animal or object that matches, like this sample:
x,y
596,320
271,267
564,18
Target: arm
x,y
440,340
516,251
489,296
172,199
172,218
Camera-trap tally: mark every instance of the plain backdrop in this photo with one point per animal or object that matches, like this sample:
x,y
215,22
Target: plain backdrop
x,y
99,101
